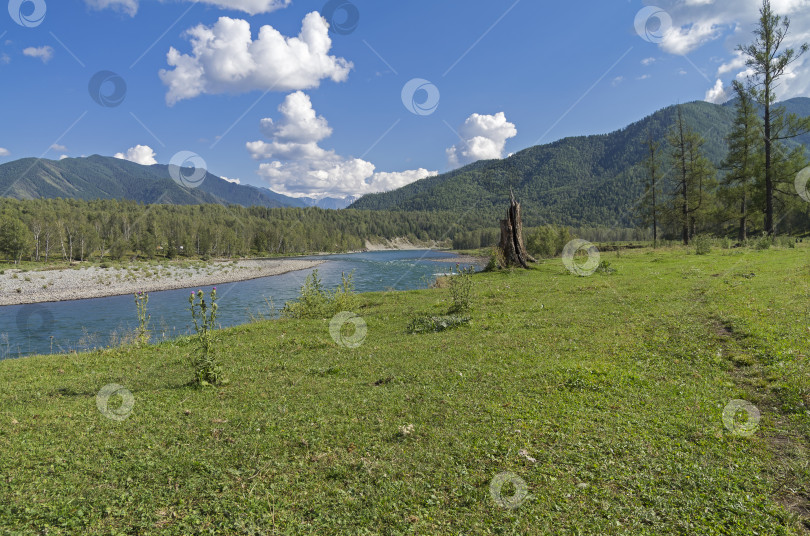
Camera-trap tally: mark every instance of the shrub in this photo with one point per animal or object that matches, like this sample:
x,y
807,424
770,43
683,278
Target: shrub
x,y
143,334
547,241
604,268
703,244
461,289
316,301
207,370
785,242
763,243
435,324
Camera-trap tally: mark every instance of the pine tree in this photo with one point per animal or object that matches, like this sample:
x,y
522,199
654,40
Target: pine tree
x,y
769,65
652,198
744,159
692,175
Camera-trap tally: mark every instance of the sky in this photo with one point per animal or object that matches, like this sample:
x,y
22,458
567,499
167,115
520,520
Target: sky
x,y
348,97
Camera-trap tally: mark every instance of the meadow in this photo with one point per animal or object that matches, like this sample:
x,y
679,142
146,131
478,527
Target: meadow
x,y
568,405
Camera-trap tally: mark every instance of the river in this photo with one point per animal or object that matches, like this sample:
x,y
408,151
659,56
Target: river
x,y
61,327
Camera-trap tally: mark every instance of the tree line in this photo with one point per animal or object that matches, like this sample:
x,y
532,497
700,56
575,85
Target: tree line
x,y
44,230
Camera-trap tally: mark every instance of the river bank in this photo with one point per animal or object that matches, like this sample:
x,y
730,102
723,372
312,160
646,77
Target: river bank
x,y
19,287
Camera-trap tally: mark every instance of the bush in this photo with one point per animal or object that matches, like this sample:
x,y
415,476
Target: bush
x,y
143,334
547,241
316,301
763,243
703,244
785,242
435,324
604,268
207,370
496,260
461,289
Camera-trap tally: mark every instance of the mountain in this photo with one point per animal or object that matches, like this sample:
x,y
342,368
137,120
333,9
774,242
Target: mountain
x,y
584,180
100,177
332,203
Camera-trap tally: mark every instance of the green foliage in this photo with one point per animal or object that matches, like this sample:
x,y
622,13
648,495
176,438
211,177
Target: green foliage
x,y
605,267
496,260
15,238
207,370
703,244
316,301
435,324
547,241
143,334
763,242
461,289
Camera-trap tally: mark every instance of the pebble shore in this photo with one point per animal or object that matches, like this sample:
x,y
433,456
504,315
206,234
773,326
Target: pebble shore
x,y
18,287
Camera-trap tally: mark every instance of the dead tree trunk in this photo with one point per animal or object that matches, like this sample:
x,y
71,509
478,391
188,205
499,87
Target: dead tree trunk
x,y
512,246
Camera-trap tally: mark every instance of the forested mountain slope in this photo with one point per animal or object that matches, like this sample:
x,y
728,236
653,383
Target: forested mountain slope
x,y
585,180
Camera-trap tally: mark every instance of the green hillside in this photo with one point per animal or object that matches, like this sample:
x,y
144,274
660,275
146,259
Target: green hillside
x,y
99,177
585,180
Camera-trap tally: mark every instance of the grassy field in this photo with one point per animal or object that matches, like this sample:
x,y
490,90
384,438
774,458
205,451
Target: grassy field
x,y
569,405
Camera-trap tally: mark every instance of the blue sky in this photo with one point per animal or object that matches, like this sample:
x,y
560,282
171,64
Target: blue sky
x,y
507,75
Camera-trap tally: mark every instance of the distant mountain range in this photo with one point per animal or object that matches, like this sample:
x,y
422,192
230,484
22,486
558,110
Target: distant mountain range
x,y
585,180
101,177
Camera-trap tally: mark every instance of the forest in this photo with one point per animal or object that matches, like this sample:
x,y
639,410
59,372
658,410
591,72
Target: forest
x,y
69,230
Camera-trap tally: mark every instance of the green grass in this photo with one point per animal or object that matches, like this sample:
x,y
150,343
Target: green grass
x,y
613,384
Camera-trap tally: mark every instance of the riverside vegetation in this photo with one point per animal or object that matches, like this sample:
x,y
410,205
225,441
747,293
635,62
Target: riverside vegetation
x,y
604,395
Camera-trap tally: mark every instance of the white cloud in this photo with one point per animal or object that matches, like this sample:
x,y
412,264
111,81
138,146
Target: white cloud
x,y
62,157
252,7
5,59
735,64
234,181
717,94
58,148
4,152
647,61
130,7
300,167
226,59
616,81
44,53
685,39
697,22
643,77
484,139
140,154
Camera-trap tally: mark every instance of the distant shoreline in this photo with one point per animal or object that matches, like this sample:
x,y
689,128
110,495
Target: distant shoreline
x,y
95,282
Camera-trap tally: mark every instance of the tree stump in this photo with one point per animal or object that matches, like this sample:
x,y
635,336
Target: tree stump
x,y
511,245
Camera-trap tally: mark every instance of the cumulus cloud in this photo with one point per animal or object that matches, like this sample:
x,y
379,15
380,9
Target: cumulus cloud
x,y
717,94
697,22
234,181
59,148
299,167
140,154
62,157
685,39
484,139
44,53
647,61
252,7
4,152
226,59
